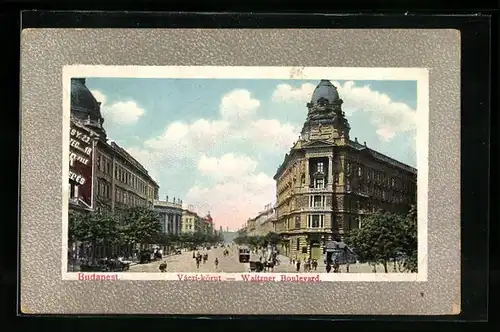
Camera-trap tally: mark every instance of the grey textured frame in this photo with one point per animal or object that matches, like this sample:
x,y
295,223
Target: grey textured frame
x,y
45,51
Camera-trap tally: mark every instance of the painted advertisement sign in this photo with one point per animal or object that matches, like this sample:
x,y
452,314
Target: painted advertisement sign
x,y
81,151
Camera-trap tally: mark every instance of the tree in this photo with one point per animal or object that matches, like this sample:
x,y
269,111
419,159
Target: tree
x,y
241,239
409,246
272,238
94,228
74,220
380,239
141,225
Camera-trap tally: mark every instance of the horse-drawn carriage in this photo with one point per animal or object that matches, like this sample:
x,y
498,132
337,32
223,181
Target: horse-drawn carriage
x,y
336,254
267,261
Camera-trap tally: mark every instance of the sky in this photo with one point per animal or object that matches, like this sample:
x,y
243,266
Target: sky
x,y
217,143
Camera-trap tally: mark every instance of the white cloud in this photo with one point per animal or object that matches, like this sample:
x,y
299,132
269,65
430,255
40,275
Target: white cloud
x,y
182,139
151,160
287,93
238,104
232,201
120,112
99,96
272,133
227,166
388,116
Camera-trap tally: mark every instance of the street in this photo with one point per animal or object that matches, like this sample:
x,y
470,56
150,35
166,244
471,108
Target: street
x,y
229,264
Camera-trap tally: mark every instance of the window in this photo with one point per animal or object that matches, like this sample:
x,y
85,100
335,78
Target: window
x,y
348,167
320,168
303,179
360,171
315,221
319,183
297,222
297,244
392,182
317,201
348,185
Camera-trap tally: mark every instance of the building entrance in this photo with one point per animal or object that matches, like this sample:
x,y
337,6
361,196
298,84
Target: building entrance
x,y
316,250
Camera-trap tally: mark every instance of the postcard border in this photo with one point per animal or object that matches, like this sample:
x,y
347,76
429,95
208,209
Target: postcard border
x,y
367,48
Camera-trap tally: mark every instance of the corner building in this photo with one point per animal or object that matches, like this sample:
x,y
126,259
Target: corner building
x,y
327,181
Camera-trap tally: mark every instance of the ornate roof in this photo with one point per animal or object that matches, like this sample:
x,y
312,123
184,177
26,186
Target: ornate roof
x,y
81,97
84,106
325,90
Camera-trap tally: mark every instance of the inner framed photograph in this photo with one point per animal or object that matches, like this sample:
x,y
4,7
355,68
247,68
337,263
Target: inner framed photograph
x,y
272,176
188,176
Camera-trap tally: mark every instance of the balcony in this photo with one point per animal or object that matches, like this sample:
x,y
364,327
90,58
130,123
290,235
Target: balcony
x,y
310,190
317,209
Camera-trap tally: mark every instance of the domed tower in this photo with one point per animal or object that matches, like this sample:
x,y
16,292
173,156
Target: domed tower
x,y
85,109
325,113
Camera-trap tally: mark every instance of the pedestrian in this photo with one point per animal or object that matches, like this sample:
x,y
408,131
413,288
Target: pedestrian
x,y
298,265
328,268
163,266
216,263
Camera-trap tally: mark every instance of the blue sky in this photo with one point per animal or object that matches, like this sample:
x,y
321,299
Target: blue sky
x,y
216,143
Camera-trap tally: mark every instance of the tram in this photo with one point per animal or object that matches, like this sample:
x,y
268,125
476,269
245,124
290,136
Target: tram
x,y
244,254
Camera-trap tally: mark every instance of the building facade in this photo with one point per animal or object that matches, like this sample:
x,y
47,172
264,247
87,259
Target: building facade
x,y
327,181
170,214
118,180
263,223
191,222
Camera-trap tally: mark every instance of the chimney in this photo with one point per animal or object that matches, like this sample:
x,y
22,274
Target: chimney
x,y
173,200
364,143
356,139
166,198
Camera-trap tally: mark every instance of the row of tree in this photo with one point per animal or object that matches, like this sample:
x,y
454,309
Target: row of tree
x,y
133,227
383,238
258,241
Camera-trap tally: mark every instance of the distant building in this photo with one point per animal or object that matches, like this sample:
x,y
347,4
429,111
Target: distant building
x,y
117,180
170,213
191,222
208,224
263,223
327,181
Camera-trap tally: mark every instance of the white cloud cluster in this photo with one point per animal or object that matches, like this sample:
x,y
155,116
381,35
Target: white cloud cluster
x,y
238,105
239,193
287,93
120,112
388,116
275,134
227,166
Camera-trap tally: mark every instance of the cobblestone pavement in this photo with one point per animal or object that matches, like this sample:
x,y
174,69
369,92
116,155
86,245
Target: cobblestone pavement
x,y
230,264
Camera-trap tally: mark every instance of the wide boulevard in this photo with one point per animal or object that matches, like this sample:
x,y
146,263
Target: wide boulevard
x,y
186,263
230,264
